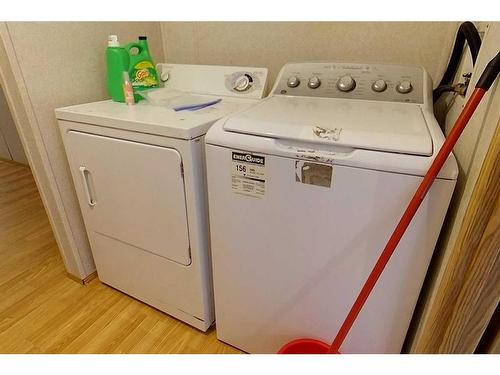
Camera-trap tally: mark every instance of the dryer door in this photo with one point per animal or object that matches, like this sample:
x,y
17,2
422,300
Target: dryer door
x,y
132,192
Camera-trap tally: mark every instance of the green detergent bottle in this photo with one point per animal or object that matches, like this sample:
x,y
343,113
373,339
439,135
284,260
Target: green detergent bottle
x,y
117,62
142,71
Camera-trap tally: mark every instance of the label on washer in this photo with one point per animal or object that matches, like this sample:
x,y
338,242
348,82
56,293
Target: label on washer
x,y
248,175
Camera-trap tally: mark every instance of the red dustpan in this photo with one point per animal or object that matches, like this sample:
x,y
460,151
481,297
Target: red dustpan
x,y
311,346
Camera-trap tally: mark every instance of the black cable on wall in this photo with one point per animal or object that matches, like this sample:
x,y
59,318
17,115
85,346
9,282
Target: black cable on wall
x,y
467,32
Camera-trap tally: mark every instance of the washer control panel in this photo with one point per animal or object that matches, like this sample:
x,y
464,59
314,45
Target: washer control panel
x,y
384,82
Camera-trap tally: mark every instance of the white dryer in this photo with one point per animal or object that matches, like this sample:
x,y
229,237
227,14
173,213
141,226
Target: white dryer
x,y
306,187
139,174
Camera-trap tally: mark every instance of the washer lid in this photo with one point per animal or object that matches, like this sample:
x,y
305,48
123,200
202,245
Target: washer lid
x,y
381,126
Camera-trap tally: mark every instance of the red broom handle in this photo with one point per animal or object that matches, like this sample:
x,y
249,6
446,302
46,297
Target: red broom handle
x,y
405,220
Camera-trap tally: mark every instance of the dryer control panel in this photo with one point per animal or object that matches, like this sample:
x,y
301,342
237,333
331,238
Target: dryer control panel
x,y
383,82
244,82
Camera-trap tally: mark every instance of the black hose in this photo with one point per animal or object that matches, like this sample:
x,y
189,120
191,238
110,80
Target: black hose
x,y
442,89
466,32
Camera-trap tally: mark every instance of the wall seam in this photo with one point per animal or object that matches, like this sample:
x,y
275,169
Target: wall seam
x,y
163,43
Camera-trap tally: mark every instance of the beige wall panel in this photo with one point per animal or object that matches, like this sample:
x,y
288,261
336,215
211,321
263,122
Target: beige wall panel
x,y
64,64
272,44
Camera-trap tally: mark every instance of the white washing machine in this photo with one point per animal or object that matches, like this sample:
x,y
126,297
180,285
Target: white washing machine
x,y
305,189
139,173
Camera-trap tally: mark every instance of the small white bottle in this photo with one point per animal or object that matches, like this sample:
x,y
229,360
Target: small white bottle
x,y
113,41
128,92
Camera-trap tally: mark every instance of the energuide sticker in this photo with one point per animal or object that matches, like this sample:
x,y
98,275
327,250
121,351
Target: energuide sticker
x,y
248,174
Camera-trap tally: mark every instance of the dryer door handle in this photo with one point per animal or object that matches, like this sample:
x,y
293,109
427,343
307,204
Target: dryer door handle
x,y
84,172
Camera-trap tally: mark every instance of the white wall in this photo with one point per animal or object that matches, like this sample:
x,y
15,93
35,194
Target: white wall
x,y
57,64
272,44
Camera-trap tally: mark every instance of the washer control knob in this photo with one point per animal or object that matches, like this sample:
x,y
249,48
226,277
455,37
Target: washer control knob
x,y
379,85
346,83
293,81
314,82
404,87
242,83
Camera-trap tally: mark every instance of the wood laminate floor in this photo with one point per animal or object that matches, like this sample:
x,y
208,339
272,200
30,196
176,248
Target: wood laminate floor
x,y
44,311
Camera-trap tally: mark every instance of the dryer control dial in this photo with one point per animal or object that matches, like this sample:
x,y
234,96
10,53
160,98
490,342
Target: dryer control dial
x,y
404,87
346,83
242,83
293,81
165,76
314,82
